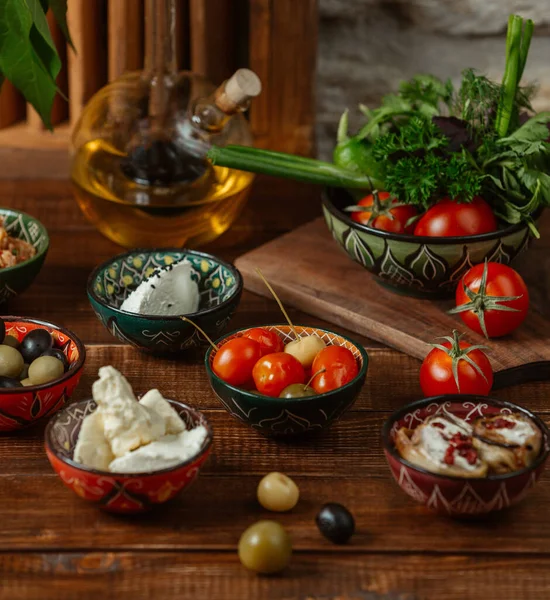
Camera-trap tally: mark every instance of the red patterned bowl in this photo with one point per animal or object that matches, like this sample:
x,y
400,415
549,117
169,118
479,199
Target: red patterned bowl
x,y
131,493
457,496
21,407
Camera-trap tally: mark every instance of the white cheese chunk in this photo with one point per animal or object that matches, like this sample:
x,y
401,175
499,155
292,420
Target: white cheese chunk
x,y
154,401
126,423
168,292
162,454
92,448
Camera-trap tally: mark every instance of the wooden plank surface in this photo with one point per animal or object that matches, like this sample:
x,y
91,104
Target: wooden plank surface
x,y
324,281
54,546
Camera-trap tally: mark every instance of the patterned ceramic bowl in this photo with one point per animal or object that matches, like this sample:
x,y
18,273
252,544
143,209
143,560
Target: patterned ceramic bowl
x,y
14,280
282,416
417,265
131,493
220,287
21,407
457,496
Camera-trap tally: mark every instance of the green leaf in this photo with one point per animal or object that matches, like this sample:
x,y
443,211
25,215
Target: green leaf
x,y
531,137
41,39
19,59
59,10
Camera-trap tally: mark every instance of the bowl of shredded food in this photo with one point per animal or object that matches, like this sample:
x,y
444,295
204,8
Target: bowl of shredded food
x,y
24,243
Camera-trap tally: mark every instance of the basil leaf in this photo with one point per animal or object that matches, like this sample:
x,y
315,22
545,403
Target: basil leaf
x,y
531,137
59,10
19,60
44,5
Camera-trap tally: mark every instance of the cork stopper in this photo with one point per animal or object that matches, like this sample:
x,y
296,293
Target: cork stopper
x,y
235,93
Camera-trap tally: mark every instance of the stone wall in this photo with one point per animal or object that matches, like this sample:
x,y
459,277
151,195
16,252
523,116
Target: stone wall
x,y
367,46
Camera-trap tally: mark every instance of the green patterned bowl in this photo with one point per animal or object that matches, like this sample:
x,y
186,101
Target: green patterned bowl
x,y
14,280
417,265
220,288
283,416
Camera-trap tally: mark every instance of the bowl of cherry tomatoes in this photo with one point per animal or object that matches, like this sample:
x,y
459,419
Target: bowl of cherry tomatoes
x,y
421,255
286,380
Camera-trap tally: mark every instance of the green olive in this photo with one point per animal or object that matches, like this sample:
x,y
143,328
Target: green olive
x,y
265,547
11,340
11,362
45,369
24,372
26,382
278,492
297,390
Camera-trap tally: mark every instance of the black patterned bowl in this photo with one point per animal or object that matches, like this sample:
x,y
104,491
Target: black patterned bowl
x,y
283,416
16,279
220,288
418,265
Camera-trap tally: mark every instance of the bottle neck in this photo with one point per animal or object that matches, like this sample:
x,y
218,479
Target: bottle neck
x,y
160,38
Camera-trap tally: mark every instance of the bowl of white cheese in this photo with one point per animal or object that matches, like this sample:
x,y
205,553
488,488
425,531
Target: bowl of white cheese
x,y
123,454
140,296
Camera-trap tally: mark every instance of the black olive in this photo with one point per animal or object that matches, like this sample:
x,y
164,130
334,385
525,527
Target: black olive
x,y
335,522
9,382
2,330
57,353
35,343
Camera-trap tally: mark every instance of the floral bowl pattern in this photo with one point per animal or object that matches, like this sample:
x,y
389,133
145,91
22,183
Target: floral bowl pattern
x,y
16,279
220,288
22,407
417,265
283,416
132,493
457,496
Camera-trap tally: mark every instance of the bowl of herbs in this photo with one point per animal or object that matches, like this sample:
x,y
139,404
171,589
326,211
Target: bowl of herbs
x,y
439,177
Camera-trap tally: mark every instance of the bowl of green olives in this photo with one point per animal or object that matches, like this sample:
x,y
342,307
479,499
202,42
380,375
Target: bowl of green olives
x,y
285,380
40,366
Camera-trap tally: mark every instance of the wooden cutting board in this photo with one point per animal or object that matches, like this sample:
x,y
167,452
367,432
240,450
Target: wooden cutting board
x,y
310,272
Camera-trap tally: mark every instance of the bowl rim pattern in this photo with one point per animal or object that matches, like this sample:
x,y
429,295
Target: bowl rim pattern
x,y
38,255
235,294
418,239
390,448
79,364
271,400
113,474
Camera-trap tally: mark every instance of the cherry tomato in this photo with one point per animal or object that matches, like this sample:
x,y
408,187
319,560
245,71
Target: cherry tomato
x,y
492,299
340,367
235,360
383,216
436,372
274,372
449,218
268,339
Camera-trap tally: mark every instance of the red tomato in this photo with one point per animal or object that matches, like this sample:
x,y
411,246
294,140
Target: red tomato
x,y
492,299
273,372
269,340
385,217
235,360
449,218
436,372
340,367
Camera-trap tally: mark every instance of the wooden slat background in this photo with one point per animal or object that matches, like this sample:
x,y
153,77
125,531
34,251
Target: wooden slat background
x,y
276,38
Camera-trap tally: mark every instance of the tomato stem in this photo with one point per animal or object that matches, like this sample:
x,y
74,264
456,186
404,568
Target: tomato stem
x,y
279,303
206,336
313,377
481,302
457,354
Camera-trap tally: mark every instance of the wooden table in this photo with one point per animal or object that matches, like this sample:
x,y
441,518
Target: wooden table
x,y
55,546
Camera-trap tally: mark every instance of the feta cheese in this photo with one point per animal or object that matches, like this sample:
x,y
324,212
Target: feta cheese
x,y
127,436
126,423
167,452
154,401
92,448
168,292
